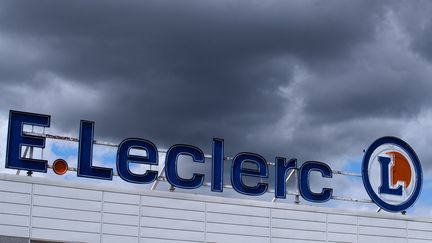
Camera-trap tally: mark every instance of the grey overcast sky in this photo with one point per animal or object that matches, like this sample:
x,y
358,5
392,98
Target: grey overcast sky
x,y
316,80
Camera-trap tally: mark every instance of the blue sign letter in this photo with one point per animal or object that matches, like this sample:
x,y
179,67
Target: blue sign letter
x,y
304,187
124,158
16,139
238,171
85,155
218,165
385,178
171,166
282,168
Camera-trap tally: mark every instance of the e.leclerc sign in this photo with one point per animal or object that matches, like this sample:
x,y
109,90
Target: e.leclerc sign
x,y
391,170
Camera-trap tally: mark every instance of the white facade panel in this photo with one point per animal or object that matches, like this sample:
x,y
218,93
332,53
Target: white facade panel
x,y
14,220
342,219
61,224
63,192
64,235
238,209
66,203
298,215
121,219
172,224
121,208
417,241
17,231
11,186
238,229
156,240
298,234
341,237
381,239
382,231
15,198
68,214
342,228
171,234
172,203
14,208
121,198
377,222
116,229
298,224
420,234
168,213
412,225
224,238
237,219
43,209
106,238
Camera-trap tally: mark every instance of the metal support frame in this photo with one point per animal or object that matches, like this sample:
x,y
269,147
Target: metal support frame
x,y
26,151
161,175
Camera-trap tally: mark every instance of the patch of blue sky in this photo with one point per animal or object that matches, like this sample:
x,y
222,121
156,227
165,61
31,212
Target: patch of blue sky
x,y
353,166
64,151
426,192
105,156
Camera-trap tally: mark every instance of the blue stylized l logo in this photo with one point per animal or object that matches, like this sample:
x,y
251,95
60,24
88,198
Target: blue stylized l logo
x,y
385,178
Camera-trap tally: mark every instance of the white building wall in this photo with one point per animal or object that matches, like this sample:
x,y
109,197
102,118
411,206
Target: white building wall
x,y
39,208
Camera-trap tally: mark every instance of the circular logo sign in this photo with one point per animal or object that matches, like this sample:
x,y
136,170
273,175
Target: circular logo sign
x,y
392,174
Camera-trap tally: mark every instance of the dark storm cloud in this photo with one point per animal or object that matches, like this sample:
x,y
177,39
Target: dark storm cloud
x,y
187,70
389,88
276,77
417,21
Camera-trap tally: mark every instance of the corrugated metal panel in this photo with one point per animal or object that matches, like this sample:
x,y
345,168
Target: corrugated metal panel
x,y
172,219
15,201
258,230
298,225
66,211
64,235
120,217
60,213
419,230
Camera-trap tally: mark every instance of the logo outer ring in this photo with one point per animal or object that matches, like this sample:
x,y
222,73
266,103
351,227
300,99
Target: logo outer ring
x,y
417,167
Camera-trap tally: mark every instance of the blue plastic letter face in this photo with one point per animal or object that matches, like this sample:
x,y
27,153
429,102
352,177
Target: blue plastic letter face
x,y
238,171
171,166
282,168
16,139
304,187
124,158
218,165
85,155
385,178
